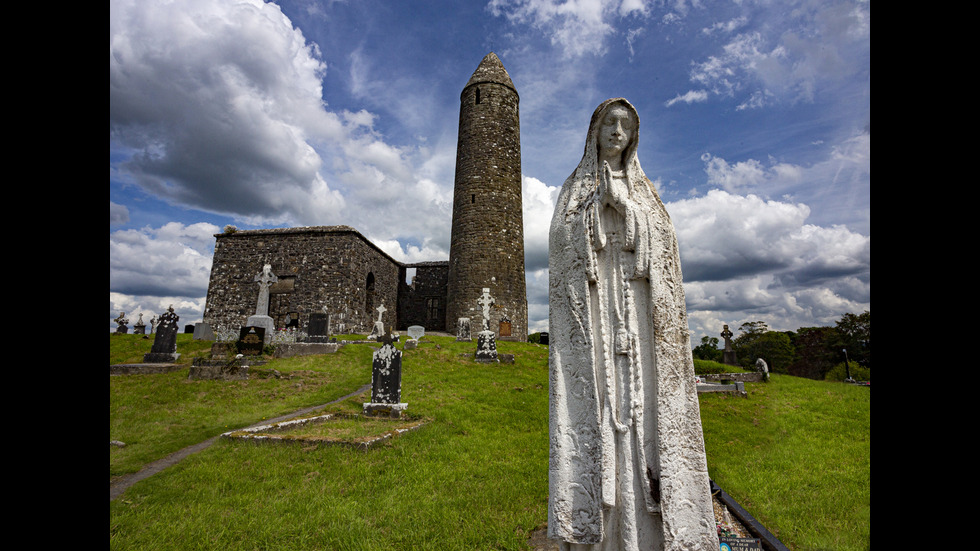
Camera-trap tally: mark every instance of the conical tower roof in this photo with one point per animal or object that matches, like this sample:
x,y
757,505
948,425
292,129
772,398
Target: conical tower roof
x,y
491,70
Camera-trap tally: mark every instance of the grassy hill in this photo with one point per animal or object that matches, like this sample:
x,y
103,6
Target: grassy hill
x,y
796,454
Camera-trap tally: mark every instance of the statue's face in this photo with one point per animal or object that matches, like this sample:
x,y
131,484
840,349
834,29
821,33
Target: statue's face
x,y
615,130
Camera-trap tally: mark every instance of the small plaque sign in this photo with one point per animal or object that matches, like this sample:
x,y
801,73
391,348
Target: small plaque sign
x,y
504,328
741,544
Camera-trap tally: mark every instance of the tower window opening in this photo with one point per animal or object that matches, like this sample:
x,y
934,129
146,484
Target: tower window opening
x,y
473,198
477,96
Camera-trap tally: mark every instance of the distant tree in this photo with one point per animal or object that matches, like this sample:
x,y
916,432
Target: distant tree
x,y
814,352
854,334
776,349
744,344
708,349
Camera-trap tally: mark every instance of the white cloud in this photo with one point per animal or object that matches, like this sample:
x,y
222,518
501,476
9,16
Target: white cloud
x,y
773,64
744,258
171,261
539,205
578,27
692,96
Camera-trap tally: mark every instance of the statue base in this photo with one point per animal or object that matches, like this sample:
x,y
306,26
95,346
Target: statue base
x,y
394,411
265,322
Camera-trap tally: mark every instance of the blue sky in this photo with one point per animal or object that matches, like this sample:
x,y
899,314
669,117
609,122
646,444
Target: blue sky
x,y
755,126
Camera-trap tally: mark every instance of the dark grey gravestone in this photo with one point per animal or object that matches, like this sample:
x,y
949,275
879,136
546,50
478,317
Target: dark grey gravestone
x,y
251,340
486,347
386,381
139,328
189,329
544,337
165,343
203,332
318,329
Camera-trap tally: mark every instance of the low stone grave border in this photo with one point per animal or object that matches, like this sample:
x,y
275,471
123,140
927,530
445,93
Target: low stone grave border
x,y
737,388
267,433
755,377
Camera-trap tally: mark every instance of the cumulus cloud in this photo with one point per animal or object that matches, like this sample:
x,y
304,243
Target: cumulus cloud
x,y
539,204
171,261
756,259
219,104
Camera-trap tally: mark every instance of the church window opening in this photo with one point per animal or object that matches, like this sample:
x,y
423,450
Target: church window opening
x,y
369,295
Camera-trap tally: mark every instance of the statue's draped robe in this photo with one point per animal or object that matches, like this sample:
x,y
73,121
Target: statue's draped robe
x,y
627,467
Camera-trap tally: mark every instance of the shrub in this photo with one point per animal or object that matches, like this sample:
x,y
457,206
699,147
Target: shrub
x,y
839,373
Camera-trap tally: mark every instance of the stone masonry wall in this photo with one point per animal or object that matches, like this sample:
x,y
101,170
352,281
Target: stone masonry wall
x,y
317,267
424,301
487,249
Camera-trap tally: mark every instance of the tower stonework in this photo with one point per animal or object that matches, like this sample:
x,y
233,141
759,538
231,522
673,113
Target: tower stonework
x,y
487,248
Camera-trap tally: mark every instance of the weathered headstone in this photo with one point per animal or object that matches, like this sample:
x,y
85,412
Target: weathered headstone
x,y
261,317
251,341
762,367
544,337
728,355
164,348
153,324
319,328
203,331
386,381
463,330
379,326
627,468
416,332
139,328
486,342
122,321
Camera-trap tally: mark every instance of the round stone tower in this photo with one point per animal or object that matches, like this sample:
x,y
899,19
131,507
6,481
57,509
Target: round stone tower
x,y
487,249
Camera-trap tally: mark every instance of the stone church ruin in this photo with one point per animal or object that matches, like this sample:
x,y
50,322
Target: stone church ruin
x,y
335,270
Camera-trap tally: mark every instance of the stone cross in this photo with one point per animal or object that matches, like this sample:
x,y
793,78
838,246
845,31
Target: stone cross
x,y
164,348
265,280
727,335
486,301
122,321
381,310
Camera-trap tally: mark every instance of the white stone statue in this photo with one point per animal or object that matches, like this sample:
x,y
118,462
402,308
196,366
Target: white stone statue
x,y
627,468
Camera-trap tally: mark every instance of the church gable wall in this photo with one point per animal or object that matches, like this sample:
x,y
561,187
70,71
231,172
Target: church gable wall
x,y
317,267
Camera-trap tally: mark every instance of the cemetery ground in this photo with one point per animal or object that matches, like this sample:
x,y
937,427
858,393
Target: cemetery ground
x,y
795,454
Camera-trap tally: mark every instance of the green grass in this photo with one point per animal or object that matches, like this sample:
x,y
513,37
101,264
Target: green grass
x,y
475,477
797,455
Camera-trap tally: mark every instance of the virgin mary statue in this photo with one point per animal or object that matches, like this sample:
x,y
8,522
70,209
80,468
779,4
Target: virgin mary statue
x,y
627,468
